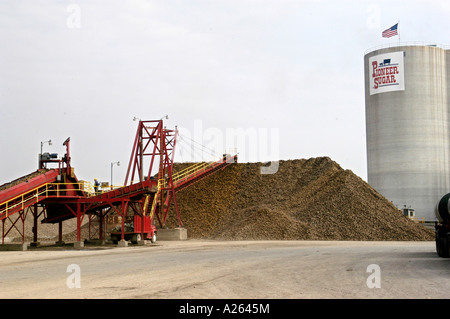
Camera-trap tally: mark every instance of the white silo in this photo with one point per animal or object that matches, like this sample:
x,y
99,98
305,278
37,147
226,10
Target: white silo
x,y
407,125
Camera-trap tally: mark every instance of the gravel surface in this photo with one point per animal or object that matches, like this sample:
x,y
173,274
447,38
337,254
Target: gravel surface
x,y
208,269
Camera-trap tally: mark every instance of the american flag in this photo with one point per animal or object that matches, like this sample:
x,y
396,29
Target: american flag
x,y
390,32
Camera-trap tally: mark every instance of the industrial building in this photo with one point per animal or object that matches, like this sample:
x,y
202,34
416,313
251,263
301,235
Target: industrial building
x,y
407,125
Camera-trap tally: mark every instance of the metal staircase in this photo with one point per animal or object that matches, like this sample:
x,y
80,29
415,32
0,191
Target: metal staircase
x,y
185,178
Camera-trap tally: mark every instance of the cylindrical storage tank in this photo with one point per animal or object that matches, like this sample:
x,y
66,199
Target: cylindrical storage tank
x,y
407,125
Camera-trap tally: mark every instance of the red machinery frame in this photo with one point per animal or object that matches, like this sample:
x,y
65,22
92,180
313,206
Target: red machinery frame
x,y
155,141
149,196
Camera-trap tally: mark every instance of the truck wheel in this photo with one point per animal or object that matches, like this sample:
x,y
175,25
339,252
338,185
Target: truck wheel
x,y
438,243
443,246
115,239
153,239
135,238
447,252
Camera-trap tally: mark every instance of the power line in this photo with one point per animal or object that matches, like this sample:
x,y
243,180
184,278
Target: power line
x,y
199,146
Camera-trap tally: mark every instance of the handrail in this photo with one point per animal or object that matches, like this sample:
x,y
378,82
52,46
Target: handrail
x,y
147,199
417,219
191,170
177,177
155,198
407,43
47,190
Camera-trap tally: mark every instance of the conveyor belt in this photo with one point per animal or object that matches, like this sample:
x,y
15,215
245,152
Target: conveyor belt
x,y
24,192
22,179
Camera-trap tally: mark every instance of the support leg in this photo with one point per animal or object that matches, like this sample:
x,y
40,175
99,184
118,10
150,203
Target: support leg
x,y
60,234
100,225
79,244
34,210
122,236
35,224
22,216
124,210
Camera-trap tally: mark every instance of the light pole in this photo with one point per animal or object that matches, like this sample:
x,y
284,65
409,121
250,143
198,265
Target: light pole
x,y
112,164
42,144
40,155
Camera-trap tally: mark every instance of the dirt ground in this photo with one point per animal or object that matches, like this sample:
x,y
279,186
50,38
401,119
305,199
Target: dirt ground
x,y
211,269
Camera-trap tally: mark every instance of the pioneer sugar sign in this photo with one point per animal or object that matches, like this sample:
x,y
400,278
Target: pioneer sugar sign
x,y
386,73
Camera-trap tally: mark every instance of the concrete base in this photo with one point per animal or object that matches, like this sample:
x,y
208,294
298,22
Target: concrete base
x,y
14,247
141,242
122,243
78,244
35,244
172,234
97,242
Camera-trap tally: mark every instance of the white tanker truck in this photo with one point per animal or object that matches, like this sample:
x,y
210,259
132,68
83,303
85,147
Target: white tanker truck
x,y
442,226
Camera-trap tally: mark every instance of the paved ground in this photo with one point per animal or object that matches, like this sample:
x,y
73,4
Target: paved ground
x,y
229,269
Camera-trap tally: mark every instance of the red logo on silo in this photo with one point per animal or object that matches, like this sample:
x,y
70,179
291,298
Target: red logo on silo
x,y
384,73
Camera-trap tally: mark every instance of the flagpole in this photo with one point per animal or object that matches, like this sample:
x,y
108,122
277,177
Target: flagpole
x,y
398,30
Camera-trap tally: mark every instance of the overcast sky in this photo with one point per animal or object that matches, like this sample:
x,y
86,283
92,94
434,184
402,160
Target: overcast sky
x,y
291,71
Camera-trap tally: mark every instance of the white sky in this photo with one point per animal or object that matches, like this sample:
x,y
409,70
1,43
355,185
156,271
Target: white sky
x,y
83,69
